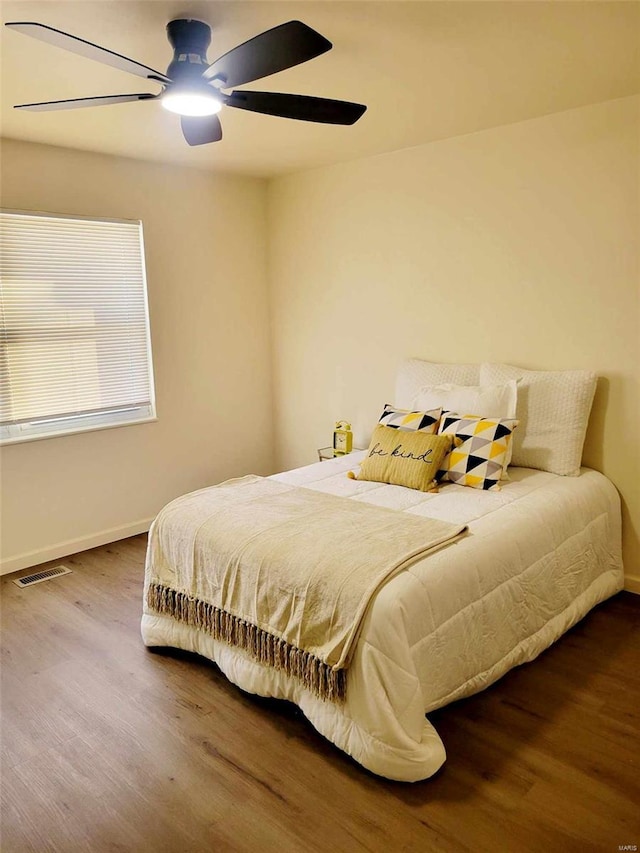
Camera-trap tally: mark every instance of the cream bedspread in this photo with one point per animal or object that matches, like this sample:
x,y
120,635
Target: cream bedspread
x,y
538,556
283,572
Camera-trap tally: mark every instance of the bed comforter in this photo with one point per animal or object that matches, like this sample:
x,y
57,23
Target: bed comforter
x,y
539,555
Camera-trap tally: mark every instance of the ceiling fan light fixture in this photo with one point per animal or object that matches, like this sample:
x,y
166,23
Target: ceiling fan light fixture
x,y
189,103
192,87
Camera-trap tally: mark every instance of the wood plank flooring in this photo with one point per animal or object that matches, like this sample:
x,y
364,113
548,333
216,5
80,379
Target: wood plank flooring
x,y
107,746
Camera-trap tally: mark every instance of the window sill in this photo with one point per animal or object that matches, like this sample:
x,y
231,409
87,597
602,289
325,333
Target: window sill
x,y
75,431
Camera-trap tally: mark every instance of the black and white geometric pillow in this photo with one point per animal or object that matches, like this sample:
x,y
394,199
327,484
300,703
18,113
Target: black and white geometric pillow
x,y
426,422
481,458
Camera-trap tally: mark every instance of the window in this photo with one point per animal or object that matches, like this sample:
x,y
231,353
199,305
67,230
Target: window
x,y
75,350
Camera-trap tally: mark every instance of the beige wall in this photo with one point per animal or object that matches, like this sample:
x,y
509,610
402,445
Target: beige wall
x,y
205,250
517,244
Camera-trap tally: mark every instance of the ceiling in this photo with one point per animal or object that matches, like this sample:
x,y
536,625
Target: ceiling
x,y
426,69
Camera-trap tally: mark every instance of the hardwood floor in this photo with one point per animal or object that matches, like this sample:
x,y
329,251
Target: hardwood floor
x,y
107,746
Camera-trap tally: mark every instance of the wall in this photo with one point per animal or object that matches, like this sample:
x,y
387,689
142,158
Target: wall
x,y
205,251
517,244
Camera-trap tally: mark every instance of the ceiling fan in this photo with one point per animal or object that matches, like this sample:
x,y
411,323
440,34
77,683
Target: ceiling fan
x,y
193,88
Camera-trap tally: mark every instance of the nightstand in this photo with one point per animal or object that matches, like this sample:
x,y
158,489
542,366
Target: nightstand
x,y
325,453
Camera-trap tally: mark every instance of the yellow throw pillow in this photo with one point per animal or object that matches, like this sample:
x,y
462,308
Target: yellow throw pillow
x,y
404,458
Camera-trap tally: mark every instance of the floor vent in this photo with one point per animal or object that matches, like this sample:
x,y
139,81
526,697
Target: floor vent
x,y
38,577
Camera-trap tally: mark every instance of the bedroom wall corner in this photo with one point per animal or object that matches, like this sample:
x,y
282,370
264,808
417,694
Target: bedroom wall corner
x,y
205,240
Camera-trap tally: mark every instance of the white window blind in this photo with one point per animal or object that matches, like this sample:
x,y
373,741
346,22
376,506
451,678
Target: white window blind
x,y
75,346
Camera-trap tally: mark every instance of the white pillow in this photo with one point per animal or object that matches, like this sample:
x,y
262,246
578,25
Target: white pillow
x,y
485,401
553,410
414,374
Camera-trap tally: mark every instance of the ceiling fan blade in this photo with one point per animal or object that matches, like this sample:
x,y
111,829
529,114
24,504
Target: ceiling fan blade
x,y
300,107
200,130
86,48
75,103
274,50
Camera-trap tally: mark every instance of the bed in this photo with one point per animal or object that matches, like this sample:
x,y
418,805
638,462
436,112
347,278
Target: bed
x,y
537,555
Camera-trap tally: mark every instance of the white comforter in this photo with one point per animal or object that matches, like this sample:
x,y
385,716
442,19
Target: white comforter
x,y
540,554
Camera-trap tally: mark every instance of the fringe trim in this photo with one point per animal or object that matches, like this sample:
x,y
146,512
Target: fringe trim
x,y
318,677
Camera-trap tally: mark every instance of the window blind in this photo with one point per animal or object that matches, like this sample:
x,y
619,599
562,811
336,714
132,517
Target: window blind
x,y
75,346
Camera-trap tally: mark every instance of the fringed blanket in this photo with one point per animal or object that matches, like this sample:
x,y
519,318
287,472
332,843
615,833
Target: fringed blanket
x,y
284,573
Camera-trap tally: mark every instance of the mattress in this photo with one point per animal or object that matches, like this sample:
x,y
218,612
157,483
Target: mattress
x,y
538,556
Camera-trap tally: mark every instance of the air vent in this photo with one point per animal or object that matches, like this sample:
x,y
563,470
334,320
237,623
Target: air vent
x,y
46,575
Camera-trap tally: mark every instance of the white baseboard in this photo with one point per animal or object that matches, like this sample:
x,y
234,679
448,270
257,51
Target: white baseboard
x,y
72,546
632,583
